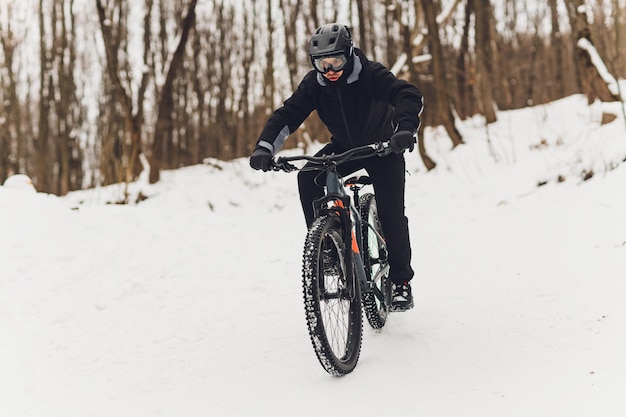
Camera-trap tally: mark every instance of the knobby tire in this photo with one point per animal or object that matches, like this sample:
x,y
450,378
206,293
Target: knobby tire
x,y
331,298
375,302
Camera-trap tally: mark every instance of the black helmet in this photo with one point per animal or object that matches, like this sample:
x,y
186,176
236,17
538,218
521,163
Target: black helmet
x,y
330,39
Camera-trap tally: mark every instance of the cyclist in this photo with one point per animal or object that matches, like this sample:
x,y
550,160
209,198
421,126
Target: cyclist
x,y
360,102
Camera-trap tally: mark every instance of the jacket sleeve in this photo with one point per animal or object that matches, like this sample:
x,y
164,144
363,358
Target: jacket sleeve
x,y
406,98
286,119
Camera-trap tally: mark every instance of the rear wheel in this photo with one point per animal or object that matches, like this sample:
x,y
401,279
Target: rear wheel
x,y
331,299
376,301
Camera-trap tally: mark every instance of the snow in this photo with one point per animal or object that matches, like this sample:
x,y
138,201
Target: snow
x,y
190,304
20,182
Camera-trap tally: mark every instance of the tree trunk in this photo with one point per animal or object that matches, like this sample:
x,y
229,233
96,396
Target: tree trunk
x,y
393,15
41,142
464,78
164,124
421,147
11,125
484,59
556,42
291,11
442,102
362,25
268,78
592,82
133,118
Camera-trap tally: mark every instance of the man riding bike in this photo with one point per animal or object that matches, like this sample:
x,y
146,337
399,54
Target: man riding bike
x,y
360,102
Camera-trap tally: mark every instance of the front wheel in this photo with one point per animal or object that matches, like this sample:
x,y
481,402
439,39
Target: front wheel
x,y
331,298
375,301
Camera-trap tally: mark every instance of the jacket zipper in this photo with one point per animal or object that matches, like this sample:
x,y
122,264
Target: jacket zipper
x,y
345,120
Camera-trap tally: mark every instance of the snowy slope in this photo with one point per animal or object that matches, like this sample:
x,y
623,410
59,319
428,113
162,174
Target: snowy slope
x,y
189,303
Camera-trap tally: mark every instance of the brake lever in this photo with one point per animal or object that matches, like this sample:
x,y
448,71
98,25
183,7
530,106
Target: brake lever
x,y
383,148
280,164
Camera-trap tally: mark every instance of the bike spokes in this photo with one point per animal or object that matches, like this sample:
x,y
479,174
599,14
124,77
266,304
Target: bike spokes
x,y
333,317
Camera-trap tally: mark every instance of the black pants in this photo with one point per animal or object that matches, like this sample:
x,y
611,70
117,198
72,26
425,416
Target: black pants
x,y
387,176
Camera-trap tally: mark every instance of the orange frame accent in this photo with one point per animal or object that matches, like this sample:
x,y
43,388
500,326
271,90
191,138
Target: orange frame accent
x,y
355,247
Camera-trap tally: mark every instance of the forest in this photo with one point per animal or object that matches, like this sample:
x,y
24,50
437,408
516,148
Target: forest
x,y
95,92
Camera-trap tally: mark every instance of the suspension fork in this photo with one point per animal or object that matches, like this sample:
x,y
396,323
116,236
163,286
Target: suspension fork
x,y
337,202
353,256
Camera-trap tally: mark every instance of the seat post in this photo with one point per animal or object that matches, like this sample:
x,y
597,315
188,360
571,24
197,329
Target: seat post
x,y
355,194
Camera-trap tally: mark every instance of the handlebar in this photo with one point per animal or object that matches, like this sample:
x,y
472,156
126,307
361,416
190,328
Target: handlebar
x,y
282,163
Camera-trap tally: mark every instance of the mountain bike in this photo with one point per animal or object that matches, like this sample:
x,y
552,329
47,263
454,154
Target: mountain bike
x,y
344,264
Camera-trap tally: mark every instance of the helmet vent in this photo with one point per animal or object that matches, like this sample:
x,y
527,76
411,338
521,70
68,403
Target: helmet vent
x,y
330,39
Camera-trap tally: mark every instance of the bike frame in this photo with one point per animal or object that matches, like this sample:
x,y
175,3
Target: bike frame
x,y
337,201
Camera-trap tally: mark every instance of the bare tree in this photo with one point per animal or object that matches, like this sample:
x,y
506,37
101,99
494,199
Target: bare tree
x,y
164,124
41,142
69,112
484,58
362,25
224,118
442,102
291,12
268,79
593,85
556,42
246,123
464,68
12,139
115,44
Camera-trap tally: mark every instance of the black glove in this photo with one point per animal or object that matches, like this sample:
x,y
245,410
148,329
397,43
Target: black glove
x,y
402,140
261,158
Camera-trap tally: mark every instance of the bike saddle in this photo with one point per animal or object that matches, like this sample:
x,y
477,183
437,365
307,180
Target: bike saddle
x,y
363,180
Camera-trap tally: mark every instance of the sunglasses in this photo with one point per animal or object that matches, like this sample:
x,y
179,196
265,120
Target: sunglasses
x,y
327,63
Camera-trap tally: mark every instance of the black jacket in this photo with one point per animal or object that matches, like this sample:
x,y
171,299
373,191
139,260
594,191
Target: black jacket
x,y
366,105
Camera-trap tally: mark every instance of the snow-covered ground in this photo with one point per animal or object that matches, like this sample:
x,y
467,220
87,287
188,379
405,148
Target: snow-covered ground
x,y
189,303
